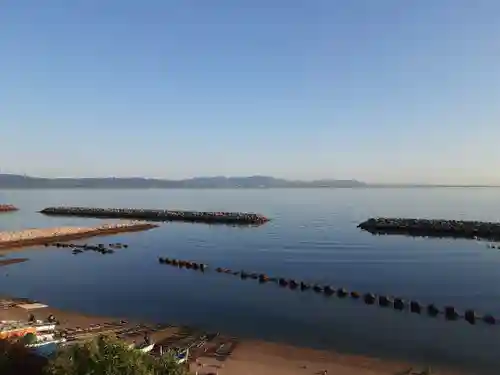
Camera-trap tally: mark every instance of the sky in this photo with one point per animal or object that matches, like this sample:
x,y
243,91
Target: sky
x,y
374,90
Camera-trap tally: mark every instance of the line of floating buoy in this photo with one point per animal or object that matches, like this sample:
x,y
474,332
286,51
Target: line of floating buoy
x,y
433,228
80,248
244,218
183,264
396,303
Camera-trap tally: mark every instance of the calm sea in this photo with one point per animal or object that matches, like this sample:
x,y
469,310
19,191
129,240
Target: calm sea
x,y
313,236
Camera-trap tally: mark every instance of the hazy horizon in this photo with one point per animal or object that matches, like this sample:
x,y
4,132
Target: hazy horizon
x,y
381,92
368,183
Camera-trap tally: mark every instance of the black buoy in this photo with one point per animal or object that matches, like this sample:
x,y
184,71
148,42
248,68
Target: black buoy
x,y
399,304
341,293
432,310
328,290
369,298
355,295
489,319
470,316
384,301
450,313
415,307
293,284
317,288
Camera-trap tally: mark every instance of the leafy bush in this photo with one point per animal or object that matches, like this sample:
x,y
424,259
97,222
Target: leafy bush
x,y
109,356
29,338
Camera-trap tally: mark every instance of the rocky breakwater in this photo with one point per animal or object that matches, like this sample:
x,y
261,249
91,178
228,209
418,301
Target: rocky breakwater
x,y
30,237
237,218
433,228
7,208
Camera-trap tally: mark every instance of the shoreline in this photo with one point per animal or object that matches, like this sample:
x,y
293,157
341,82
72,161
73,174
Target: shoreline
x,y
242,356
46,235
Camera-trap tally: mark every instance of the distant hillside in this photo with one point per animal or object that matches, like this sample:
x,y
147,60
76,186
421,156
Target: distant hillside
x,y
11,181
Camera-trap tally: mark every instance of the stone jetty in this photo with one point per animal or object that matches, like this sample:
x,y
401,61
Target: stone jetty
x,y
433,228
31,237
241,218
7,208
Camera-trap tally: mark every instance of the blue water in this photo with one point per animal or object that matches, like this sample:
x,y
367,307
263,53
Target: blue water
x,y
313,236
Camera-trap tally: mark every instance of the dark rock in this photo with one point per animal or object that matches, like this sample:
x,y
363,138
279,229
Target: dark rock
x,y
384,301
328,290
415,307
489,319
432,310
399,304
304,286
450,313
293,284
470,316
341,293
369,298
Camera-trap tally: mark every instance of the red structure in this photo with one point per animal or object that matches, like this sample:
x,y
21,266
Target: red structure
x,y
7,208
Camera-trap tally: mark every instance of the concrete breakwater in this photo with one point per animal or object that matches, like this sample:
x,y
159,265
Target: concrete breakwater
x,y
31,237
160,215
8,208
433,228
450,313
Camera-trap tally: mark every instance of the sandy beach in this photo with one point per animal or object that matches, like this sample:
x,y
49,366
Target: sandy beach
x,y
38,236
222,355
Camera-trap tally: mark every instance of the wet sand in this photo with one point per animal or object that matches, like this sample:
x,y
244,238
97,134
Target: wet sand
x,y
32,237
216,353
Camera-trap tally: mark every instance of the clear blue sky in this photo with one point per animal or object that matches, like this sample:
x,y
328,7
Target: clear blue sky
x,y
377,90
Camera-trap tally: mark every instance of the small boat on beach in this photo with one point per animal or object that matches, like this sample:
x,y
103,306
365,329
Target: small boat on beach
x,y
182,357
143,347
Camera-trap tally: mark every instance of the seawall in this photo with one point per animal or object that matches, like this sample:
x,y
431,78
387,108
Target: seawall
x,y
241,218
433,228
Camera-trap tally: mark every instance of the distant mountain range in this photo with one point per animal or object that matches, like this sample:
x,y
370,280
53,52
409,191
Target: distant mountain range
x,y
12,181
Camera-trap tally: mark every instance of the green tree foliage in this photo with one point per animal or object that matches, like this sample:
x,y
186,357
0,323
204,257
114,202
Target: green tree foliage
x,y
16,359
109,356
29,338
